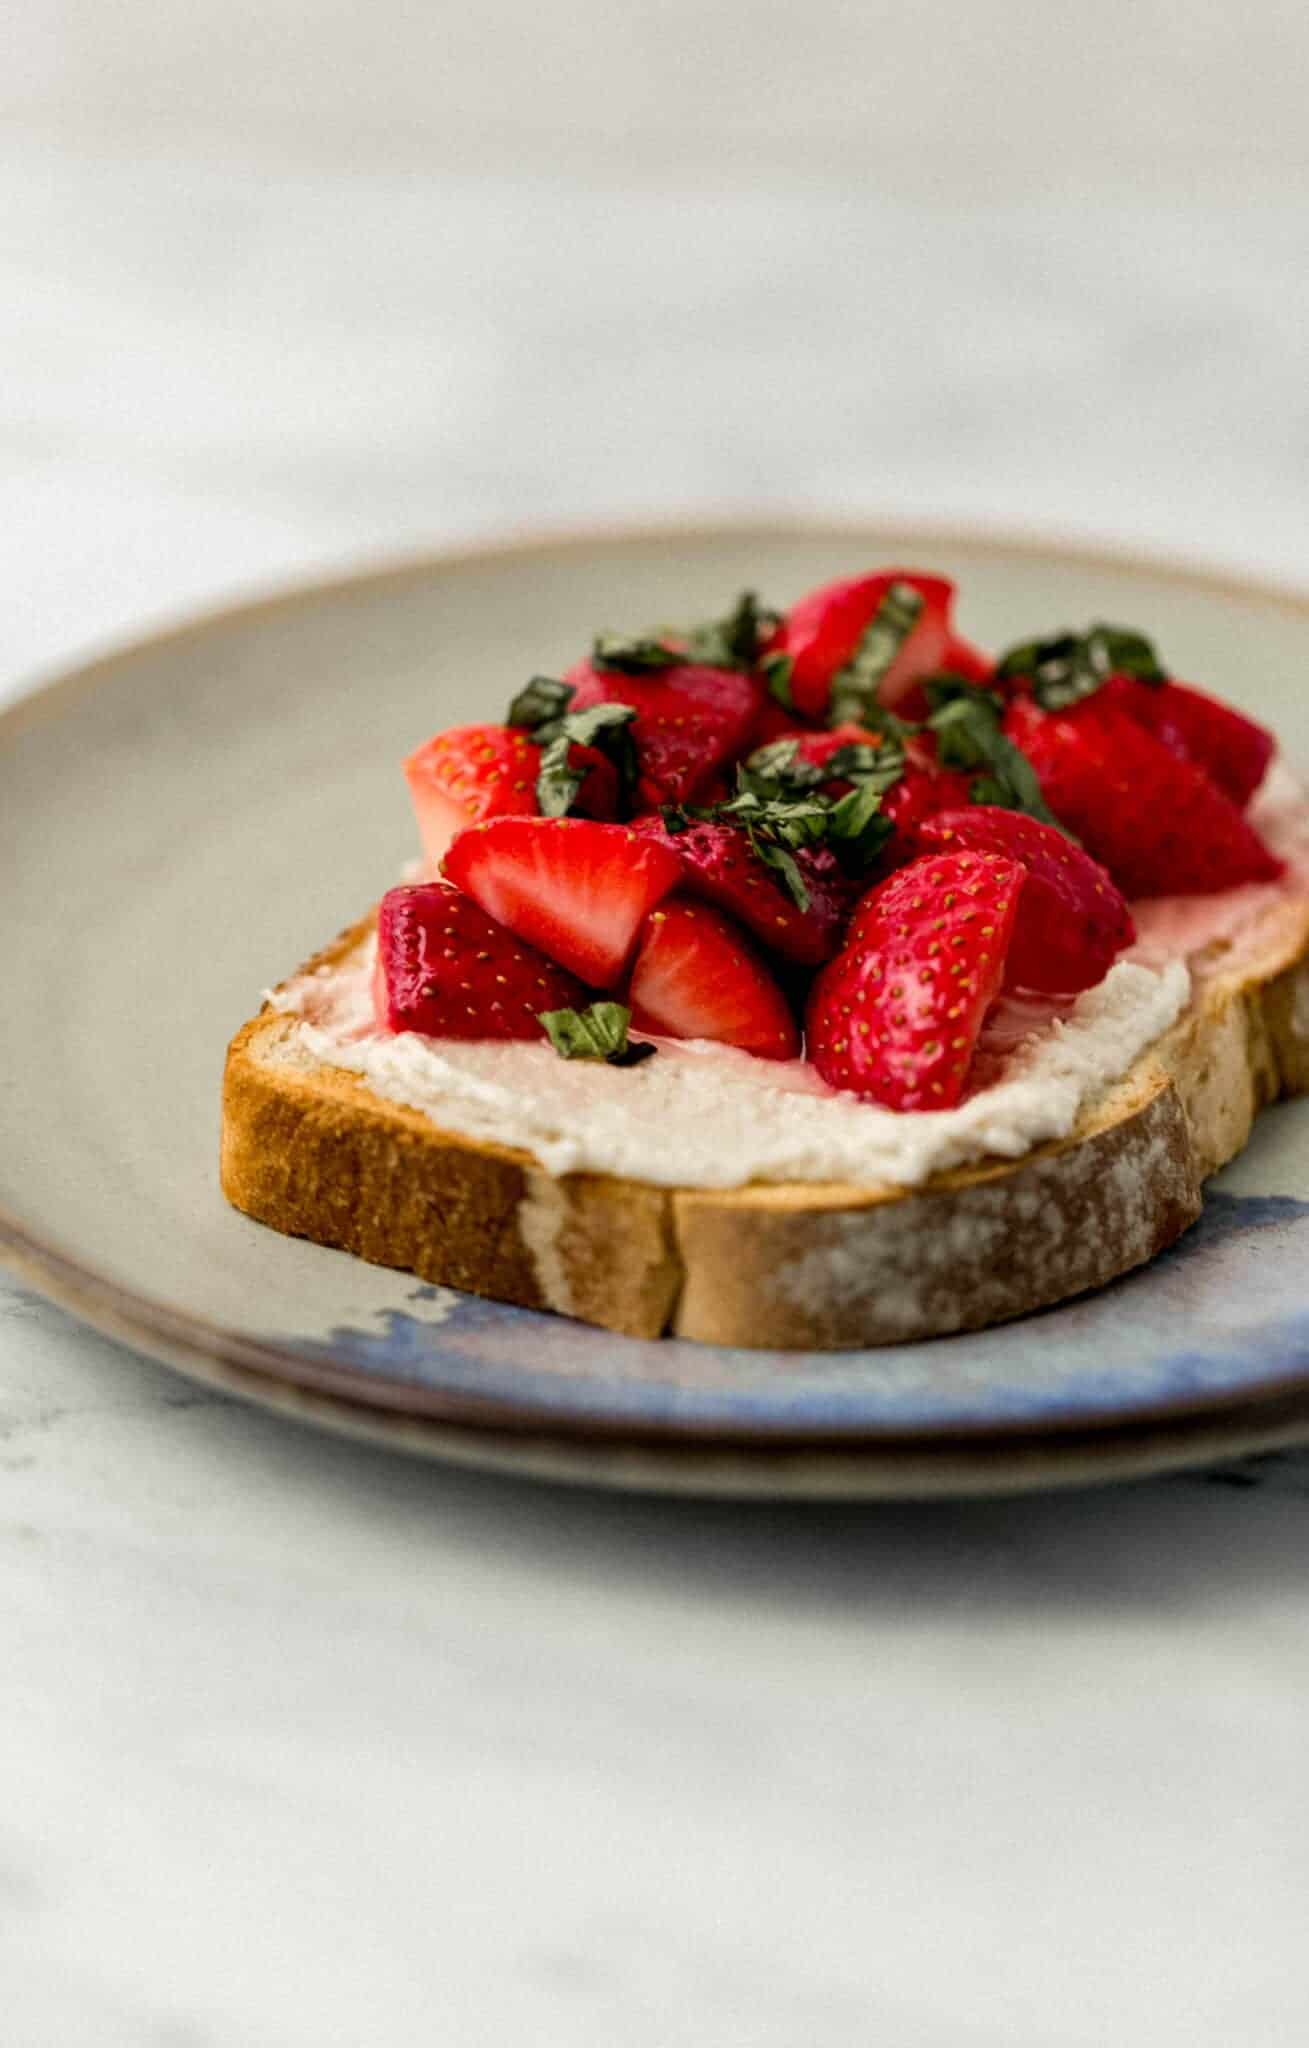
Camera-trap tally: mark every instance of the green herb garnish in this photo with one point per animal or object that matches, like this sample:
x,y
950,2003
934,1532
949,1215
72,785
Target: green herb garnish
x,y
736,641
542,709
604,726
1066,667
539,702
967,722
635,656
857,826
777,827
854,687
777,671
596,1033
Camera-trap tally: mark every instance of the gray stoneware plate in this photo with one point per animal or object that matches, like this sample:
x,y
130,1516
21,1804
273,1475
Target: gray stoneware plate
x,y
183,822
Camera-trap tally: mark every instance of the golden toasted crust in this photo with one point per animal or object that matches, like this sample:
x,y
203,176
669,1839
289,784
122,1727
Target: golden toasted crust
x,y
311,1150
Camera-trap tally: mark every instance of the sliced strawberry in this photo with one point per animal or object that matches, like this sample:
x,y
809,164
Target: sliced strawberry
x,y
961,658
822,632
1233,751
719,863
1154,818
895,1018
697,975
576,889
689,722
922,791
1072,922
775,722
448,970
489,771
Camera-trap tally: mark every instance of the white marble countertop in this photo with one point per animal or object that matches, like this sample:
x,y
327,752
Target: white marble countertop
x,y
304,1746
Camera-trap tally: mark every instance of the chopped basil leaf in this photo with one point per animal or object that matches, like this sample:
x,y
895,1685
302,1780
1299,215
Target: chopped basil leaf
x,y
944,689
774,854
1121,651
968,736
777,826
736,641
778,770
596,1033
604,726
800,820
540,702
637,656
1066,667
854,687
857,827
777,670
878,768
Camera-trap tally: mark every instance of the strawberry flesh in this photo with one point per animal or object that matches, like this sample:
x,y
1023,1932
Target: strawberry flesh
x,y
489,771
576,889
1153,817
448,970
1072,922
896,1017
697,975
690,722
961,658
718,863
922,791
822,631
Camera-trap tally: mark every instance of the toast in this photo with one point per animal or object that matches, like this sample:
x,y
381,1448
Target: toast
x,y
311,1150
852,851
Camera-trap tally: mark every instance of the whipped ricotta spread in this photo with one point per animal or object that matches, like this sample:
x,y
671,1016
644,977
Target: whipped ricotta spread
x,y
702,1115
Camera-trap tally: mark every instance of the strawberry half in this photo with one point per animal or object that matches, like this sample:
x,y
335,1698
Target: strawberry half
x,y
689,722
775,722
1233,751
895,1018
697,975
489,771
961,658
447,969
924,789
717,862
1155,819
578,890
1072,922
822,633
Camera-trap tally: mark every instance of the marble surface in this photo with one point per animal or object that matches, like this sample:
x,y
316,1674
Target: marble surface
x,y
301,1744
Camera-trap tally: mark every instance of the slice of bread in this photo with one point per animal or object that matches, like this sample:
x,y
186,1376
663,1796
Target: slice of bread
x,y
311,1150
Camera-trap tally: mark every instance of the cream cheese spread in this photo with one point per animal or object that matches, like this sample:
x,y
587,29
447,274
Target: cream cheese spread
x,y
702,1115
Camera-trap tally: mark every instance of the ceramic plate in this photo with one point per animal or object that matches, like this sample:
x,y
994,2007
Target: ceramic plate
x,y
182,823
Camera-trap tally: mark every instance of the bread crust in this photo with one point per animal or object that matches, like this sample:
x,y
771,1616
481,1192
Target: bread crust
x,y
311,1150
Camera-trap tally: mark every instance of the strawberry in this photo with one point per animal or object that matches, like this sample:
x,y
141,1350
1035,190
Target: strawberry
x,y
775,722
577,889
719,863
697,975
895,1018
1233,751
922,791
1155,819
1072,921
822,633
961,658
489,771
690,721
447,969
